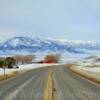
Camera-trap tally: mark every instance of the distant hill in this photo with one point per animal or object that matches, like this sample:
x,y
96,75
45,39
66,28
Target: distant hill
x,y
18,45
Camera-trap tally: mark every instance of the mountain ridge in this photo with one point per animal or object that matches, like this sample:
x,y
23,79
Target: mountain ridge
x,y
37,44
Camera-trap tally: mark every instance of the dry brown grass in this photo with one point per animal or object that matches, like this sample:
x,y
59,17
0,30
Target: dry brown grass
x,y
93,65
2,77
89,76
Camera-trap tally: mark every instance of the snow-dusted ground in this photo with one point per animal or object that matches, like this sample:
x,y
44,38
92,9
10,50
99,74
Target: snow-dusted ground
x,y
25,67
89,69
33,66
90,64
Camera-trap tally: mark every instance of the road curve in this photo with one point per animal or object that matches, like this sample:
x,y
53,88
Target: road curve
x,y
64,84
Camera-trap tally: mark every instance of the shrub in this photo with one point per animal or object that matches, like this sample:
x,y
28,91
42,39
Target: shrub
x,y
2,63
52,58
21,59
10,62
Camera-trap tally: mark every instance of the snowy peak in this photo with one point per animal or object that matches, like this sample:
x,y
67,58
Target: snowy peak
x,y
31,45
14,42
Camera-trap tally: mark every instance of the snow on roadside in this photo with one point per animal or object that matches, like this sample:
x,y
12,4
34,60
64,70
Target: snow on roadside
x,y
93,70
8,71
84,65
25,67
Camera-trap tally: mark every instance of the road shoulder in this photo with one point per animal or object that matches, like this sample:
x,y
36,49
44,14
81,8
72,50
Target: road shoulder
x,y
86,75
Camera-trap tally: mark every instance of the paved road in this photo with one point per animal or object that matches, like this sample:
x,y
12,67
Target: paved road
x,y
32,86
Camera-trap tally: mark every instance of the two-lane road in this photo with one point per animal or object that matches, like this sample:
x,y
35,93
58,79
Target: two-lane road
x,y
33,85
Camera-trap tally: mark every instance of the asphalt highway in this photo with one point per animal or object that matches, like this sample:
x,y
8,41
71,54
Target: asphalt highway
x,y
50,83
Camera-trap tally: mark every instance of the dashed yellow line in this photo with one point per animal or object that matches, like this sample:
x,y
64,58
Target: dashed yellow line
x,y
49,91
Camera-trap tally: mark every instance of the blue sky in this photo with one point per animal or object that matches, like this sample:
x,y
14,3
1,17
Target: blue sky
x,y
68,19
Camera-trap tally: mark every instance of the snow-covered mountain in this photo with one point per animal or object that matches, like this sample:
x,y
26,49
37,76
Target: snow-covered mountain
x,y
33,45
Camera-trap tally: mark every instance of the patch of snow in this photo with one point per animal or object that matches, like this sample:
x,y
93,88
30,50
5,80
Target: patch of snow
x,y
32,66
93,70
25,67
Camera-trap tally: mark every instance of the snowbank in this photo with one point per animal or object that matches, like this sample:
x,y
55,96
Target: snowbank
x,y
33,66
94,69
25,67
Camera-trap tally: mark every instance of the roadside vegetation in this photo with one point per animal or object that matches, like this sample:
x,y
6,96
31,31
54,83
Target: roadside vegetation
x,y
88,67
11,66
52,58
14,61
86,74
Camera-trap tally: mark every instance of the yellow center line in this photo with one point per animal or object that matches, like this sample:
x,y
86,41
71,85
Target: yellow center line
x,y
49,91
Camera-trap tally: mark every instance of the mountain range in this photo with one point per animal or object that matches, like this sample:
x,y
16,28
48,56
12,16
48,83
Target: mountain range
x,y
18,45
